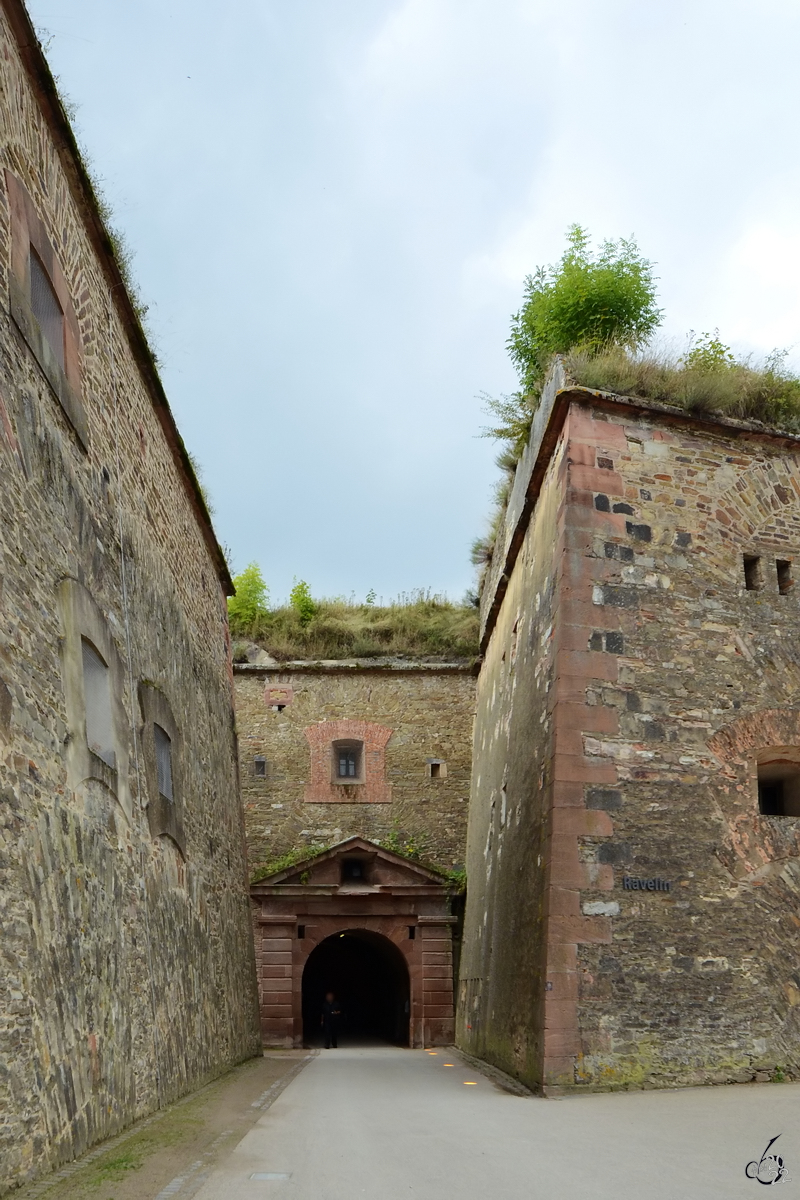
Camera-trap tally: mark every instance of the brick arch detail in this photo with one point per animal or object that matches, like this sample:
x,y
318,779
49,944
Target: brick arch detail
x,y
374,790
761,496
739,741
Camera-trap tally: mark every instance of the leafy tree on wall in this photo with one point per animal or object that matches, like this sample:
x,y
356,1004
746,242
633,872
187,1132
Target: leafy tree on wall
x,y
251,601
591,300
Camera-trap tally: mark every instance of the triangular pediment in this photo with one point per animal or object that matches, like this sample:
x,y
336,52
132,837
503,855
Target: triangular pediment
x,y
327,863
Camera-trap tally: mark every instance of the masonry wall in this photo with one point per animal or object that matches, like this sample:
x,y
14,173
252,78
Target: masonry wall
x,y
503,956
428,713
126,963
671,680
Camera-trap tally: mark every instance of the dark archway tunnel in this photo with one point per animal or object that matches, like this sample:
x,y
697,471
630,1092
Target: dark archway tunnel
x,y
369,977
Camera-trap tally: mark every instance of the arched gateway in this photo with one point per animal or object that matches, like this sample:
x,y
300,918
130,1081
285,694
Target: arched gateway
x,y
366,923
369,977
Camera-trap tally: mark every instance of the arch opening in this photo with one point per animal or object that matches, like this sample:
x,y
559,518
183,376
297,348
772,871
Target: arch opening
x,y
778,775
368,975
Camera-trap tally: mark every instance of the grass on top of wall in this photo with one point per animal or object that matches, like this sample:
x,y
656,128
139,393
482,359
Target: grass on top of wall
x,y
701,383
418,626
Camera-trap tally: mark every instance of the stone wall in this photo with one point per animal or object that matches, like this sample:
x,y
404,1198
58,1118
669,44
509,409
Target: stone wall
x,y
126,965
425,709
665,925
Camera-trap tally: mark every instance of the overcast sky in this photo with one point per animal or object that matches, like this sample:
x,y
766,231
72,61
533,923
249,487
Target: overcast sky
x,y
334,204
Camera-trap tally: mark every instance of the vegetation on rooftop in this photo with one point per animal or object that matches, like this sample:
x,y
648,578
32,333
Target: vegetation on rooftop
x,y
598,312
418,624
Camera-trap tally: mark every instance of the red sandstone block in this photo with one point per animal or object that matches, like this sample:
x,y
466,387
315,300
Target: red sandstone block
x,y
443,959
567,794
560,1042
560,1016
272,1011
440,1032
592,522
576,608
561,849
581,454
431,932
600,877
559,1070
589,718
276,958
596,479
561,956
436,971
276,945
562,901
438,1010
579,930
572,876
582,769
564,986
581,822
581,428
272,971
274,991
587,664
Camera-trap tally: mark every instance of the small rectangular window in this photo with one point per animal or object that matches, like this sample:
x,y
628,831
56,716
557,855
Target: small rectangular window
x,y
163,761
301,931
259,766
437,768
46,308
752,572
785,581
412,932
97,699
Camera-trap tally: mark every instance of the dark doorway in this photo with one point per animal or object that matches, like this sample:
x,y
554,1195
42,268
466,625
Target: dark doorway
x,y
369,977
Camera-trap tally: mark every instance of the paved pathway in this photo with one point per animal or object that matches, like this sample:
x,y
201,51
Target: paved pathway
x,y
386,1123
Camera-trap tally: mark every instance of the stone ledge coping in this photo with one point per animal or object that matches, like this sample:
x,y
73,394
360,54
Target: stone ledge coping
x,y
352,666
322,889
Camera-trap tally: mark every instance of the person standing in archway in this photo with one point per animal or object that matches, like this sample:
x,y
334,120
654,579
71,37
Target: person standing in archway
x,y
329,1021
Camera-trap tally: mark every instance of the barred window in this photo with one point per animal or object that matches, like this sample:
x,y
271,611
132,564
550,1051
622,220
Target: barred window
x,y
46,308
97,699
163,761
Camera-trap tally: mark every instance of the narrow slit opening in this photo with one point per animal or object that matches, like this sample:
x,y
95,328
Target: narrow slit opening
x,y
752,572
785,581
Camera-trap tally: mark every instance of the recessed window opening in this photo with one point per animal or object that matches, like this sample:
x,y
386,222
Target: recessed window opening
x,y
437,768
301,931
97,699
46,308
779,785
259,766
785,582
412,932
752,573
163,762
354,870
348,761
